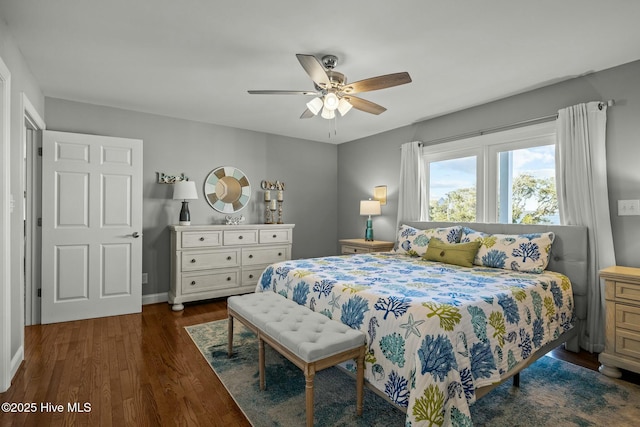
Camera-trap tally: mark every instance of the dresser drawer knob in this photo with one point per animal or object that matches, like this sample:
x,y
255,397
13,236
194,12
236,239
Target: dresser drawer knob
x,y
202,239
228,279
251,276
279,253
229,258
193,282
250,256
239,237
275,235
193,261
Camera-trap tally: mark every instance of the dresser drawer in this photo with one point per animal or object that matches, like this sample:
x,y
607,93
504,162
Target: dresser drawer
x,y
629,291
199,239
192,283
628,343
269,255
346,250
275,236
250,275
240,237
201,260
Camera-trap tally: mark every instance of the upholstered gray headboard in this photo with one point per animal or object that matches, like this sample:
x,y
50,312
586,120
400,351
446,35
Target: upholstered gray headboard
x,y
569,252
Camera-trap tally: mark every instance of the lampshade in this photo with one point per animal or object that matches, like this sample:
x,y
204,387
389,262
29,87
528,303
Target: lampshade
x,y
315,105
344,106
328,114
185,190
331,101
369,207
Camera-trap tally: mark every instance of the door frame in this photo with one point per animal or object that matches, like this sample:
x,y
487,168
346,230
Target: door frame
x,y
29,282
5,230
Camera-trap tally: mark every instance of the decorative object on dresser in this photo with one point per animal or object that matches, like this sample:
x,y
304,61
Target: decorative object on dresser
x,y
212,261
273,205
369,207
361,246
185,190
227,189
622,321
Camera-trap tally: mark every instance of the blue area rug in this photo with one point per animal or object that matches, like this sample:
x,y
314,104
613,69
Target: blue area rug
x,y
552,392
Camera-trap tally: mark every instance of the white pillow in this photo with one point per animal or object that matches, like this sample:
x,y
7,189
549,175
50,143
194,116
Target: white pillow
x,y
414,242
519,252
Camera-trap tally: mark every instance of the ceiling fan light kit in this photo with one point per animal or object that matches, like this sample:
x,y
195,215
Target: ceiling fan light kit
x,y
332,92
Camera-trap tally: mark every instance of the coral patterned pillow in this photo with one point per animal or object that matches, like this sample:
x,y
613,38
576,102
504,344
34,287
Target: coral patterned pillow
x,y
519,252
414,242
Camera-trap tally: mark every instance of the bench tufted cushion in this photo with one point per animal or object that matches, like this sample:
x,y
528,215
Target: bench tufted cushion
x,y
309,335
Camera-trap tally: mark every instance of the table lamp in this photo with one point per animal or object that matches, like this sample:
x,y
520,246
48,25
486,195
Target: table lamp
x,y
369,207
185,190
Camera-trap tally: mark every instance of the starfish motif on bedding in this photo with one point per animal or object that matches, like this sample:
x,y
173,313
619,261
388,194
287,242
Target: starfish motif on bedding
x,y
411,326
335,301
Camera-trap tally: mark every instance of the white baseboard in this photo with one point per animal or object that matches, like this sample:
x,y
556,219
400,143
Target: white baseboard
x,y
155,298
16,360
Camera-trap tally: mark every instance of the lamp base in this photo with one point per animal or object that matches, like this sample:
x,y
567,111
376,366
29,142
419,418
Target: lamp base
x,y
185,216
368,233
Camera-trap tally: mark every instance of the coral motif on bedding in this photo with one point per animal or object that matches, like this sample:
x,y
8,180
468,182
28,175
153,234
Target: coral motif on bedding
x,y
518,252
414,242
435,332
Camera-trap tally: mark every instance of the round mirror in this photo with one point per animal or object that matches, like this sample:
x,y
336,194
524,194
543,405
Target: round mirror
x,y
227,189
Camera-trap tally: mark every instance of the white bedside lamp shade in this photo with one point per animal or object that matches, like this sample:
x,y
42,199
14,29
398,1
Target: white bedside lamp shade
x,y
185,190
369,207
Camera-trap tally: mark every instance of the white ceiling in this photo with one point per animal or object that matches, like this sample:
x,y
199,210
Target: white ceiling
x,y
196,59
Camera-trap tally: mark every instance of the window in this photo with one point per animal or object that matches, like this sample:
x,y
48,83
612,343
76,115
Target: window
x,y
506,177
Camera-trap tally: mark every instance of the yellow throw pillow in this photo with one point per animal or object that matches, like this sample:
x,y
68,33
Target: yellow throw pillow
x,y
461,254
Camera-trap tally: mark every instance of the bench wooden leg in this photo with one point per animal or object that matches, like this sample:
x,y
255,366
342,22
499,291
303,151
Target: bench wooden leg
x,y
230,336
360,382
309,375
261,362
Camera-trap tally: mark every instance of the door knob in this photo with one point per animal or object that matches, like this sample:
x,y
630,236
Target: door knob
x,y
135,234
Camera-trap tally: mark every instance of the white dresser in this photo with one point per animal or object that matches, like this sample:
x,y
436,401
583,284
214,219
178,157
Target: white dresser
x,y
211,261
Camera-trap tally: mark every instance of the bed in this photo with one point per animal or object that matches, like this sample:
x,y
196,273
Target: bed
x,y
441,335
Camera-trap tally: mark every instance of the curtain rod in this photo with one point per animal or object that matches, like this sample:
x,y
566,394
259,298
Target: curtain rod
x,y
543,119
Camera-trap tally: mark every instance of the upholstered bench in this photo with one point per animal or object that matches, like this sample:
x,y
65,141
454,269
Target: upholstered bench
x,y
310,340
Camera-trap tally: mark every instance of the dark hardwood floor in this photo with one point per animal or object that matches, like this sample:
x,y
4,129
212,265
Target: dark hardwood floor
x,y
135,370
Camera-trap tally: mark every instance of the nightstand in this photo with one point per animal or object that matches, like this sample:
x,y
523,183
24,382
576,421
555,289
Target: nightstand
x,y
622,321
361,246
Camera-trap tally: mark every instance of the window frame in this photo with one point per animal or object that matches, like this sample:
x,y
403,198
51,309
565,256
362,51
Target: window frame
x,y
486,148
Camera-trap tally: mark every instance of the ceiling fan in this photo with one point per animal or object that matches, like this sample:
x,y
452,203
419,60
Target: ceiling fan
x,y
332,92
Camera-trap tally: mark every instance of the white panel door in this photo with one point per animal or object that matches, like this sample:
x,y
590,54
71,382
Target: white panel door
x,y
91,226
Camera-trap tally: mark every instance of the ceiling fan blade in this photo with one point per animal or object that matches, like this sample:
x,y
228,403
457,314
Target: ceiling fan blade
x,y
364,105
314,68
284,92
376,83
307,114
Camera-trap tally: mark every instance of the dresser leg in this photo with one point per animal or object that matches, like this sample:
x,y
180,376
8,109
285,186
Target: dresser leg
x,y
177,307
610,371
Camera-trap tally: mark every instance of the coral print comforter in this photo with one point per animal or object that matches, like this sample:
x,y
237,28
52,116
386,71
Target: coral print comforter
x,y
435,332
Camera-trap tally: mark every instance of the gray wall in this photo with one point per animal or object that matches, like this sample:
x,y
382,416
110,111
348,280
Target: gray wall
x,y
174,146
375,160
22,82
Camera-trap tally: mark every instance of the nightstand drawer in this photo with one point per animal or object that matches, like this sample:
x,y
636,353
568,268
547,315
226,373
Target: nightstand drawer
x,y
346,250
628,343
275,236
629,291
213,259
268,255
204,282
628,317
240,237
194,239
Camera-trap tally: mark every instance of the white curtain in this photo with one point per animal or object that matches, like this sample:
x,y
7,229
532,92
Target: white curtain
x,y
410,191
581,181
